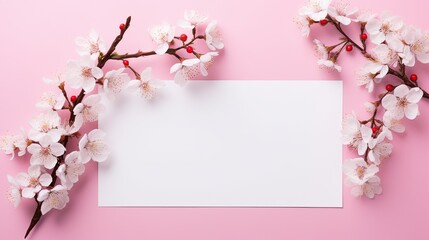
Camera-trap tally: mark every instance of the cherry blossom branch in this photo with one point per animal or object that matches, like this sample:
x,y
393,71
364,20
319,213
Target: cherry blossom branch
x,y
47,140
401,76
395,48
102,61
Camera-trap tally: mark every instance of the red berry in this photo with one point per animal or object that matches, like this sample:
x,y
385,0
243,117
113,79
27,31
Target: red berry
x,y
189,49
73,99
349,48
374,129
413,77
389,87
183,37
122,26
126,63
364,36
323,22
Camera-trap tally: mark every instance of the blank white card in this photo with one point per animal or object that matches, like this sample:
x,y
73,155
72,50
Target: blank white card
x,y
233,143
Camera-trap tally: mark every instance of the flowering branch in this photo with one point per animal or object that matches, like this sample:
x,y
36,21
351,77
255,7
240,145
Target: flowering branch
x,y
47,140
395,47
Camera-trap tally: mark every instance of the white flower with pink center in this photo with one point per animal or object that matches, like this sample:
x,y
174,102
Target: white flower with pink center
x,y
33,181
342,12
366,77
115,81
46,152
325,58
186,70
379,149
369,189
14,192
355,134
214,38
46,124
358,171
9,144
162,35
379,28
316,9
93,146
192,18
411,44
403,102
93,45
56,198
303,23
89,109
83,73
70,170
382,57
51,100
145,86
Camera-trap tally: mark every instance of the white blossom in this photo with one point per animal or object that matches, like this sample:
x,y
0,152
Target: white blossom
x,y
115,81
188,69
304,23
70,170
46,152
391,124
379,149
369,107
379,28
56,198
162,35
192,19
83,73
50,100
411,44
355,134
93,45
33,181
68,129
214,38
325,58
9,144
382,57
145,86
46,124
89,109
358,171
370,188
366,76
14,192
403,102
364,16
93,146
342,12
316,9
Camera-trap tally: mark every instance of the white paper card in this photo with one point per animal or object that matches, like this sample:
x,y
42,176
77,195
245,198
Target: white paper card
x,y
229,143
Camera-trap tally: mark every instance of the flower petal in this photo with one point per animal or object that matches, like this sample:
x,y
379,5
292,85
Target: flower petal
x,y
415,95
45,179
411,111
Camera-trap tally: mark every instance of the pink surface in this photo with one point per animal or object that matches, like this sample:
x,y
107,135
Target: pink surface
x,y
261,42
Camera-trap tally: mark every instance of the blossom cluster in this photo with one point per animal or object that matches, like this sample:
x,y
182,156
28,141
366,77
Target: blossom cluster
x,y
395,49
64,114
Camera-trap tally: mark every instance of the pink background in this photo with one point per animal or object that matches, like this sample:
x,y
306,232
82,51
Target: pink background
x,y
262,42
